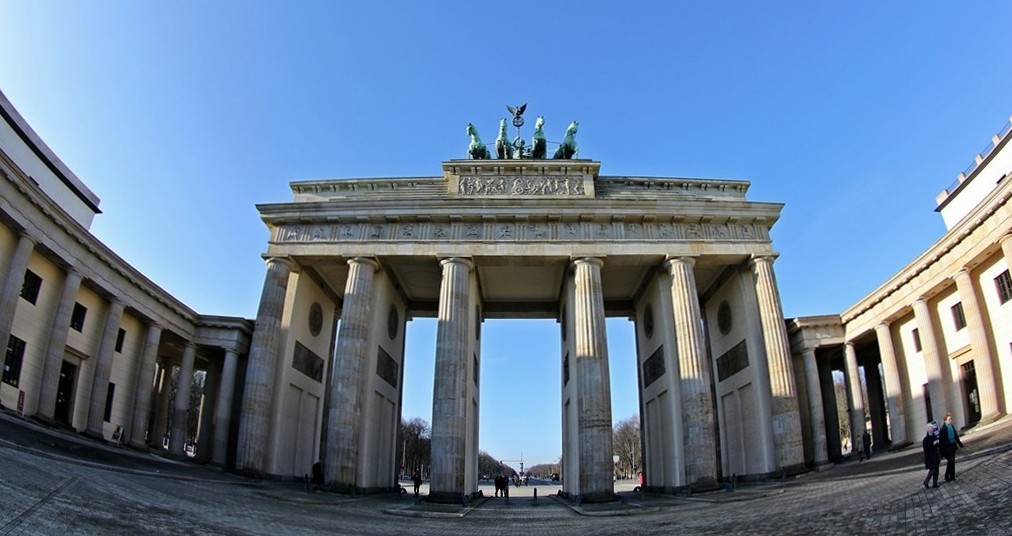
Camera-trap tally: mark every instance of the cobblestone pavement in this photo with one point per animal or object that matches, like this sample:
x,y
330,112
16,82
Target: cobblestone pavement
x,y
49,486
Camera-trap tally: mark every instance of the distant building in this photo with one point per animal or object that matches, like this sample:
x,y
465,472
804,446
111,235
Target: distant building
x,y
935,338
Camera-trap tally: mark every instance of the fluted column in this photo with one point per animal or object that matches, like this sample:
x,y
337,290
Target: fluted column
x,y
815,407
697,402
597,468
449,400
933,362
103,366
983,357
57,346
894,386
181,405
254,418
223,422
1006,249
142,393
13,282
853,384
784,406
344,417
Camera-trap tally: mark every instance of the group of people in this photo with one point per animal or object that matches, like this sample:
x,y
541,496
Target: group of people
x,y
502,486
940,441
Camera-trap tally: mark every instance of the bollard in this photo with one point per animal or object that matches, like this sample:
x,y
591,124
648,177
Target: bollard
x,y
535,494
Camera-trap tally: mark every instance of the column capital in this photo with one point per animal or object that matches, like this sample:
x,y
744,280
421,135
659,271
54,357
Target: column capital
x,y
672,260
883,325
286,261
465,261
368,261
1005,239
25,235
769,258
597,261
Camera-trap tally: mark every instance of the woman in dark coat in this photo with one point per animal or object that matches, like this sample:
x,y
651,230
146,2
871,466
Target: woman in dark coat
x,y
948,443
931,456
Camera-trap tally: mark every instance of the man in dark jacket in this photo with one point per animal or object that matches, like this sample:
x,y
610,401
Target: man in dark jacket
x,y
931,457
948,443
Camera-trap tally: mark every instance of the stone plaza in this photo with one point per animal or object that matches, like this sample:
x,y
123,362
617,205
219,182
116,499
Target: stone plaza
x,y
54,483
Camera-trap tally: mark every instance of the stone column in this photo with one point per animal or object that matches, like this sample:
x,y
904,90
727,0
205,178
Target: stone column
x,y
103,366
159,427
815,408
181,405
13,282
876,407
593,387
223,422
856,409
344,413
205,430
449,396
786,417
697,402
142,394
254,417
833,441
1006,249
983,357
933,362
57,346
893,384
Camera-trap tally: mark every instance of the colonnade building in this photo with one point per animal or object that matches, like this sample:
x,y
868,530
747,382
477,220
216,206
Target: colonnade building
x,y
727,385
934,338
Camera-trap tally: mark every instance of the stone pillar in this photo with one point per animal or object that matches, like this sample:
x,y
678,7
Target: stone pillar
x,y
1006,249
142,394
205,430
856,409
815,408
697,402
103,366
449,395
597,468
181,405
786,417
254,418
893,385
57,346
13,282
833,441
159,427
933,361
344,415
983,360
223,422
876,407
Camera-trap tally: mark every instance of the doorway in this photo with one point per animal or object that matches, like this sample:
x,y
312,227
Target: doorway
x,y
65,393
971,396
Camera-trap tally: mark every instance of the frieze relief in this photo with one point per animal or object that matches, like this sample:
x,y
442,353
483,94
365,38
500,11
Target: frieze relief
x,y
520,186
520,231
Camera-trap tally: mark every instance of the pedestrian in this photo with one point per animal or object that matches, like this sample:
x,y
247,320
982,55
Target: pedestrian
x,y
866,443
949,442
931,456
416,479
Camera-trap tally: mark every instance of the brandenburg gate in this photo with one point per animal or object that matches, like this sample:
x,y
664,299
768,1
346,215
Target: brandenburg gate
x,y
690,260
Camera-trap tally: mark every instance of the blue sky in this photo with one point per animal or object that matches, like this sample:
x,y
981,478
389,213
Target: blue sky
x,y
182,116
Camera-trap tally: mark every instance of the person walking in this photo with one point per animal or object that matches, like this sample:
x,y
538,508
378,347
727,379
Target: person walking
x,y
949,442
866,444
416,479
931,456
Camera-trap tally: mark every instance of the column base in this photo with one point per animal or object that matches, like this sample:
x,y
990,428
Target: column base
x,y
91,434
447,497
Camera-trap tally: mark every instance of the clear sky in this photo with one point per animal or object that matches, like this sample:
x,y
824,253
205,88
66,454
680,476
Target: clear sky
x,y
182,116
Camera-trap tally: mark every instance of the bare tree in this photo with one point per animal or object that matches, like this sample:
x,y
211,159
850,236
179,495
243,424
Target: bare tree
x,y
626,442
414,446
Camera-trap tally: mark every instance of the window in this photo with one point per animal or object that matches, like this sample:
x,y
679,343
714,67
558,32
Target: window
x,y
30,287
108,402
958,317
77,318
12,365
119,340
1004,284
917,339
